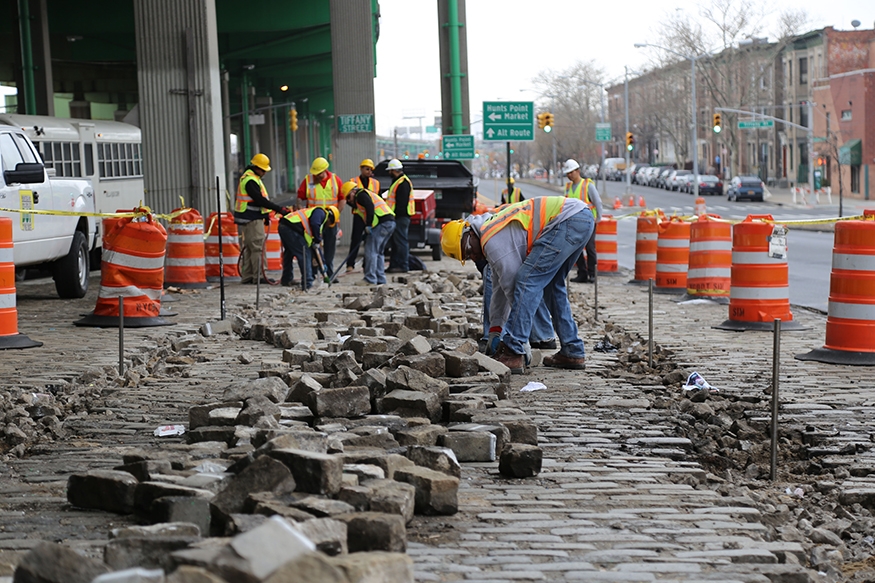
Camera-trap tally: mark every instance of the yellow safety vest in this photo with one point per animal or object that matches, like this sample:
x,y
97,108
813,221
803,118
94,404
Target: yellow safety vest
x,y
533,214
514,195
381,209
303,216
243,199
411,208
374,185
318,195
581,193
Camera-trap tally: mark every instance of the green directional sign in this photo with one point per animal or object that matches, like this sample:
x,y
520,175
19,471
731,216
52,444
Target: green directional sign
x,y
509,121
459,147
754,124
603,132
357,123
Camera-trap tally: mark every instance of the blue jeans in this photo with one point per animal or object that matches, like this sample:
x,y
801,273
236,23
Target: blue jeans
x,y
375,246
294,245
542,327
400,244
542,277
329,244
358,229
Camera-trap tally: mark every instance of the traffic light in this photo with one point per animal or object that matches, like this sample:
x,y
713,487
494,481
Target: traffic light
x,y
511,150
541,120
293,120
718,123
406,154
548,122
630,141
476,153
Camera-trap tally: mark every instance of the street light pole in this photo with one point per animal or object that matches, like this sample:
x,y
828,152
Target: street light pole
x,y
628,153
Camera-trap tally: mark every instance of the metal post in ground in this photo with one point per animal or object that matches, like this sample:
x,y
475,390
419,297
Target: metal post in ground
x,y
221,258
121,336
650,323
258,279
595,286
776,363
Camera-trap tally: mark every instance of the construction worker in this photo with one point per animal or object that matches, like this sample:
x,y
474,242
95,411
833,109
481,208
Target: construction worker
x,y
300,231
584,189
367,181
379,221
515,194
531,247
322,188
251,210
400,201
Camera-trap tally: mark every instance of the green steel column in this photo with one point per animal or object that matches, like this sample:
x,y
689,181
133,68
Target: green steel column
x,y
290,152
247,145
29,88
455,67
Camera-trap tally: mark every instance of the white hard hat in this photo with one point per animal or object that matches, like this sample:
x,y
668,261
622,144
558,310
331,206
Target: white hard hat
x,y
570,166
394,164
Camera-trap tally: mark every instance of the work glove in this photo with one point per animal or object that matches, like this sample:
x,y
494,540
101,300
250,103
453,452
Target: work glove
x,y
493,340
367,233
528,351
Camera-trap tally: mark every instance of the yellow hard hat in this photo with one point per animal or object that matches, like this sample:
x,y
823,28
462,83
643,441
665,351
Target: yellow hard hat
x,y
318,166
333,215
261,161
451,238
347,187
367,162
510,179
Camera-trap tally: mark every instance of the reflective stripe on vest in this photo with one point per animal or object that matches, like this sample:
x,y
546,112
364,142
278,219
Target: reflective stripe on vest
x,y
303,217
533,214
373,186
381,209
243,199
391,199
515,195
581,192
322,196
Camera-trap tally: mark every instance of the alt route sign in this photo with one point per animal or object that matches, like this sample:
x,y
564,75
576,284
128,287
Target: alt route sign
x,y
509,121
458,147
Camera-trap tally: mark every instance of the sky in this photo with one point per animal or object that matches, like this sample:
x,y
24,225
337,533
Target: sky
x,y
511,41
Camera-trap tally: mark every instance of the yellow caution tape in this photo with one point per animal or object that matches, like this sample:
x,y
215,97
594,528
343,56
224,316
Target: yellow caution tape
x,y
788,222
141,211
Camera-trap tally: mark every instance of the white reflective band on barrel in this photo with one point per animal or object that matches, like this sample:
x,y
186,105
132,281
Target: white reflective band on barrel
x,y
645,257
709,272
674,243
643,236
710,246
187,227
132,261
178,262
226,240
274,254
754,258
671,267
193,238
759,293
214,259
606,237
607,256
6,255
853,262
129,291
852,311
7,301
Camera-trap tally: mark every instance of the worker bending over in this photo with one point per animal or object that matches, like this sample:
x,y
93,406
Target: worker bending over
x,y
379,223
300,231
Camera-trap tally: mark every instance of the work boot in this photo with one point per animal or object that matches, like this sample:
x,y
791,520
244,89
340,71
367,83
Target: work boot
x,y
560,360
581,278
515,362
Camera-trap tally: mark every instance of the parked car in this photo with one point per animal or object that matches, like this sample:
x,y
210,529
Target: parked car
x,y
663,176
637,175
750,187
675,179
708,184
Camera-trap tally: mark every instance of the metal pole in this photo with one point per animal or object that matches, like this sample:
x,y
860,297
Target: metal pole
x,y
811,149
247,139
508,171
553,133
455,68
776,362
628,153
695,150
604,191
595,286
650,323
221,258
121,336
290,152
29,88
258,278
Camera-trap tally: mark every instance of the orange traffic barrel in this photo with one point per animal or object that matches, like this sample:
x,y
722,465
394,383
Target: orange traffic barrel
x,y
646,235
672,256
851,314
9,336
273,246
700,207
606,245
132,268
230,248
184,264
710,271
759,283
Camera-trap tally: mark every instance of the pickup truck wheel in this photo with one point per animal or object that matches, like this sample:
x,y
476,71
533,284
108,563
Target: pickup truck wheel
x,y
71,272
436,253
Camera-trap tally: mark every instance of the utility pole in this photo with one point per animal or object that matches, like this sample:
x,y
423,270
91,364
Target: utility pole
x,y
811,149
628,153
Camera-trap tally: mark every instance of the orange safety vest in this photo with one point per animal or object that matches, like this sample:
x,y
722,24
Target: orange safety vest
x,y
373,187
381,209
303,216
411,208
514,195
533,214
581,193
243,199
318,195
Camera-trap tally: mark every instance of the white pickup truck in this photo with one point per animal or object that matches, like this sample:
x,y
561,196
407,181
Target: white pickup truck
x,y
60,243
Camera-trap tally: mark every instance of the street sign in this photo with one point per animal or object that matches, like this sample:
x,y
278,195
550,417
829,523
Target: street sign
x,y
603,132
753,124
509,121
431,129
357,123
460,147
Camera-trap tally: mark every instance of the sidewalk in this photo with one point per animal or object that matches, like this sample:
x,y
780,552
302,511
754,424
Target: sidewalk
x,y
785,197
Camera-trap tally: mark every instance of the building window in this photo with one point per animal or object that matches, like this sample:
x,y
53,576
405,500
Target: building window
x,y
803,114
855,179
846,115
803,71
790,72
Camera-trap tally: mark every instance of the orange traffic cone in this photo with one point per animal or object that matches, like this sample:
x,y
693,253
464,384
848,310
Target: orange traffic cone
x,y
9,336
631,200
618,204
641,202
